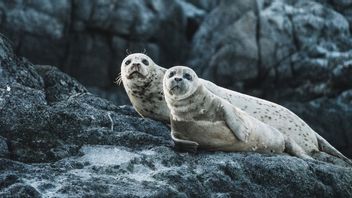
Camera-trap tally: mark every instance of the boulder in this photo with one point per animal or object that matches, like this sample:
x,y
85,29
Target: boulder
x,y
89,39
64,141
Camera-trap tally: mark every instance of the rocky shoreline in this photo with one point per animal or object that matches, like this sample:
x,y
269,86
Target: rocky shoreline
x,y
59,140
295,53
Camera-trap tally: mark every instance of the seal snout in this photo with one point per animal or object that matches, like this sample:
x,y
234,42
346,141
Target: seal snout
x,y
177,79
135,70
136,65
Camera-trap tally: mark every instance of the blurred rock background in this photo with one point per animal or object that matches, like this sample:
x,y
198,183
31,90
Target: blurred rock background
x,y
294,52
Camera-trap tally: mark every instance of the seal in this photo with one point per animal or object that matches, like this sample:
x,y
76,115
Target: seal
x,y
199,118
143,82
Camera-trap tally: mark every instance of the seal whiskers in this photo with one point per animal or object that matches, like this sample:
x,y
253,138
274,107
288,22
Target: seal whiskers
x,y
118,79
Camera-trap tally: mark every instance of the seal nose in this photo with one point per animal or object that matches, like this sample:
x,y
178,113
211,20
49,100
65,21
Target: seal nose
x,y
178,79
136,64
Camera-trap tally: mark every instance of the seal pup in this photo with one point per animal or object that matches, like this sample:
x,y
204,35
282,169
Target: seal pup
x,y
201,119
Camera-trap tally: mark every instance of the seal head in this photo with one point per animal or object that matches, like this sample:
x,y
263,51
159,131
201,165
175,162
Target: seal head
x,y
142,78
180,82
136,68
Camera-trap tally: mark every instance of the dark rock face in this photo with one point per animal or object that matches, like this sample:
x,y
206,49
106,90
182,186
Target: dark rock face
x,y
291,52
274,43
84,146
47,115
295,53
91,37
4,150
57,139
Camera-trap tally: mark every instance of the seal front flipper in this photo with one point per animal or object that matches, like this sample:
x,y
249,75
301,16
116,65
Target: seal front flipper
x,y
184,145
239,124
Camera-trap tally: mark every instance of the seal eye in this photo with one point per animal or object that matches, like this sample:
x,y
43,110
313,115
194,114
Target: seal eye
x,y
172,74
187,76
127,62
145,61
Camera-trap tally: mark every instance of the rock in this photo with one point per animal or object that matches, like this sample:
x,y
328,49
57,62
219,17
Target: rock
x,y
231,50
42,18
294,53
54,120
5,48
342,75
94,60
85,146
329,118
58,86
81,37
270,43
46,115
4,150
112,171
61,140
204,4
20,190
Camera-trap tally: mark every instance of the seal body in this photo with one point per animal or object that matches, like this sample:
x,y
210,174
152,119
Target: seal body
x,y
146,95
212,123
210,130
142,80
144,86
272,114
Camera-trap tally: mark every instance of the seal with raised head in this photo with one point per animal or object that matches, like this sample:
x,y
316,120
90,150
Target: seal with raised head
x,y
142,80
201,119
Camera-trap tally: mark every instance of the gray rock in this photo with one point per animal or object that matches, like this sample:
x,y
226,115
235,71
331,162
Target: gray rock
x,y
94,59
204,4
270,43
329,118
84,146
4,150
111,171
42,18
52,121
225,51
79,37
5,48
20,190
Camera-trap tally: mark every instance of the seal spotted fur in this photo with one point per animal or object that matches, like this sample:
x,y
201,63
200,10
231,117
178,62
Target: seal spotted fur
x,y
146,95
201,119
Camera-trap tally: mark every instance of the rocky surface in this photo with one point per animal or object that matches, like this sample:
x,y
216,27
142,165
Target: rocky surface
x,y
295,53
59,140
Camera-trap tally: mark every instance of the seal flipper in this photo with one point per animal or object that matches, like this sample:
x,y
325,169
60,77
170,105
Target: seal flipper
x,y
291,147
239,125
326,147
184,145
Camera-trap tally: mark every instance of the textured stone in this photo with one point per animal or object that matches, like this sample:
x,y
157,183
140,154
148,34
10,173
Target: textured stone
x,y
4,150
84,146
79,37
